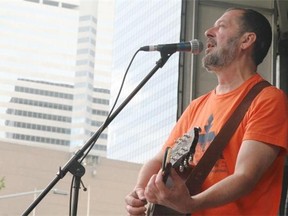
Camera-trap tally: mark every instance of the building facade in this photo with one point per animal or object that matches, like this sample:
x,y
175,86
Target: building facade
x,y
93,72
55,78
138,131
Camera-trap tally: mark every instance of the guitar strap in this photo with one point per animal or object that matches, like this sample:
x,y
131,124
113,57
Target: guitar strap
x,y
213,152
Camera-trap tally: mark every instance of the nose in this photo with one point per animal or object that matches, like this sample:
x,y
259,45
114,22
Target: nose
x,y
210,32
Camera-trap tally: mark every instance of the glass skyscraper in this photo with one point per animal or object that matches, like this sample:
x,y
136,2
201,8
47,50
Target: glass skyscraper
x,y
144,124
56,63
37,69
55,75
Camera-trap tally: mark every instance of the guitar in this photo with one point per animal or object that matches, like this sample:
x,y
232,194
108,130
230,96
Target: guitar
x,y
179,158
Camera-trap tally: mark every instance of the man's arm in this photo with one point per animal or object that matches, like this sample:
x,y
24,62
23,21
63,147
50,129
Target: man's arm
x,y
253,160
136,200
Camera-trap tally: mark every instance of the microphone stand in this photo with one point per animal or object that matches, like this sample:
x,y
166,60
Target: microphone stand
x,y
73,165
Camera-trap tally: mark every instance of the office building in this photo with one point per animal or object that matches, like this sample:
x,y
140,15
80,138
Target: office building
x,y
138,131
55,86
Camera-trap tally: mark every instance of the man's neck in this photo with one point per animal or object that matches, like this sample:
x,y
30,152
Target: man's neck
x,y
231,77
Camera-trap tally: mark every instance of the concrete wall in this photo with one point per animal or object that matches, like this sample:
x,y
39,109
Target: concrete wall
x,y
28,168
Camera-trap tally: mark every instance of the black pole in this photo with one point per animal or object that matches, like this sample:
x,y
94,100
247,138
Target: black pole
x,y
79,154
77,170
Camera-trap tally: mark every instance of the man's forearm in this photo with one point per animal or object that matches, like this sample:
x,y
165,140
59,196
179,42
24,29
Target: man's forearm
x,y
147,170
224,192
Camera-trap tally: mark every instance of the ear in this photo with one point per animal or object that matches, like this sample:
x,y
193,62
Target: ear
x,y
248,39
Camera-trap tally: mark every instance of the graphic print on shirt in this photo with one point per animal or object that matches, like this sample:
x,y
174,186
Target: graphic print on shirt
x,y
205,139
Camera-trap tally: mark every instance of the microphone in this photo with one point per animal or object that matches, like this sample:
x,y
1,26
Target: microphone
x,y
194,46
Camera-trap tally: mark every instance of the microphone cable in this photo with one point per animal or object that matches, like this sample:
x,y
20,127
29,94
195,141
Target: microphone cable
x,y
105,122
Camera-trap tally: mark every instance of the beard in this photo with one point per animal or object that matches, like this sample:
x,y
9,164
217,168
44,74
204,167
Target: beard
x,y
222,56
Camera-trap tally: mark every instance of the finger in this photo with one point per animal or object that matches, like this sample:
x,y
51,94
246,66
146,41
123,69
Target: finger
x,y
151,183
159,177
160,185
134,201
175,177
136,211
139,193
151,190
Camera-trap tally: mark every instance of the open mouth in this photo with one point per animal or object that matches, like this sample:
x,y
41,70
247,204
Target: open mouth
x,y
210,44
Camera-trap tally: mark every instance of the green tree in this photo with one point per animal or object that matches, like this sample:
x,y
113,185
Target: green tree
x,y
2,183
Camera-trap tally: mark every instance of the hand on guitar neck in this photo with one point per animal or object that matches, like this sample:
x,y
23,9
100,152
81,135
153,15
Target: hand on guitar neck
x,y
168,187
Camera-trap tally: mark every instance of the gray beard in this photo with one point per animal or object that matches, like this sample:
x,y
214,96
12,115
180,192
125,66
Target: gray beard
x,y
222,57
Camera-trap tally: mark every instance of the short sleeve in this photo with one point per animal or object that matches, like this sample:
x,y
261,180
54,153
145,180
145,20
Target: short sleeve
x,y
267,118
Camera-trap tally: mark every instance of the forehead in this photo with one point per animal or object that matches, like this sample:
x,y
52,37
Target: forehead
x,y
230,17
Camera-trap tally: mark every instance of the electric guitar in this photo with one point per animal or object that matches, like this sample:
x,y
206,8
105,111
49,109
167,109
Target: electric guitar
x,y
179,158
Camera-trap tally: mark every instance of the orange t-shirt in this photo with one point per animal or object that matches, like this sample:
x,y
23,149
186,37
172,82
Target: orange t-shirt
x,y
266,120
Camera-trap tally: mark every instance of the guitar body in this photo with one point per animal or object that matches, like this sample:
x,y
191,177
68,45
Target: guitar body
x,y
178,158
